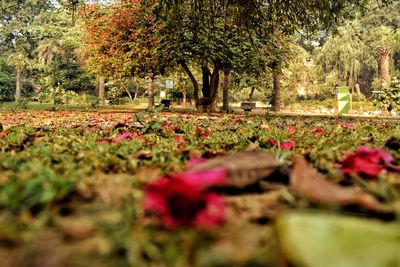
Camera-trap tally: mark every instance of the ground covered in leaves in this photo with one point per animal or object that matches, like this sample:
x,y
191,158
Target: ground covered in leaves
x,y
170,189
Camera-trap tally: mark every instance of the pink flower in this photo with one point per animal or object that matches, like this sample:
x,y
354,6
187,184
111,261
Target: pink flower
x,y
288,145
182,200
124,136
121,137
347,126
368,162
318,131
169,127
291,129
193,161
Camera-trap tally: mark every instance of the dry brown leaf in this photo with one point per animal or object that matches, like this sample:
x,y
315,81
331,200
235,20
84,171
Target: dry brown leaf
x,y
77,227
4,133
306,180
244,168
254,207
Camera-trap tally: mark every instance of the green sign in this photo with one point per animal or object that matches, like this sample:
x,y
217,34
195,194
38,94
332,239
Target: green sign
x,y
343,98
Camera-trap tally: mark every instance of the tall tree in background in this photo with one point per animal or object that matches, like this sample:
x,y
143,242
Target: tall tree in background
x,y
18,38
361,50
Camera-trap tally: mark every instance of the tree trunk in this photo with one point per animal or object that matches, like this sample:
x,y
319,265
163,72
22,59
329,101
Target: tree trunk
x,y
206,89
129,93
18,82
357,89
251,93
102,90
194,82
214,83
277,75
184,95
150,91
384,56
210,88
136,92
225,91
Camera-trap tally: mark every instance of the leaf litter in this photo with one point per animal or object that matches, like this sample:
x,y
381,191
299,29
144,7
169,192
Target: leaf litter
x,y
82,201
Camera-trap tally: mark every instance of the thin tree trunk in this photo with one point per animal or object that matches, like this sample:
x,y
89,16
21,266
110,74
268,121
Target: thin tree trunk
x,y
184,95
357,89
136,92
150,91
102,90
194,82
225,91
251,93
129,94
276,103
18,82
384,56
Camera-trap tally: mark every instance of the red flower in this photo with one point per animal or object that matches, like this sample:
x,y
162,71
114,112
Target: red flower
x,y
183,200
180,140
291,129
202,132
318,131
368,162
272,141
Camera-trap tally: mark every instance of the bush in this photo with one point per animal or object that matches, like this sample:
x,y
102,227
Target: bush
x,y
389,98
7,82
22,103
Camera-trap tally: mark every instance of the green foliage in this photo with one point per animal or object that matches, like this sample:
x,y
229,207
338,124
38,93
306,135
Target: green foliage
x,y
351,52
22,103
389,98
7,82
68,74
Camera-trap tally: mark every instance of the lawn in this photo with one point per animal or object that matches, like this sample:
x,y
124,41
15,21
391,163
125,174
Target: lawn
x,y
182,189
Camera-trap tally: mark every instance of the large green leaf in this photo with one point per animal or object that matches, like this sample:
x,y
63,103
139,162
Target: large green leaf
x,y
316,240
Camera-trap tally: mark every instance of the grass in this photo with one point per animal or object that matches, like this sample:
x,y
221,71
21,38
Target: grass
x,y
68,199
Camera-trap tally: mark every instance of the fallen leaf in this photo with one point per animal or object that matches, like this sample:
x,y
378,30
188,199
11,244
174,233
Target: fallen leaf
x,y
4,133
244,168
316,239
306,180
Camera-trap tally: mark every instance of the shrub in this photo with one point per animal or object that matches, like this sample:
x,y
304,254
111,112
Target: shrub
x,y
389,98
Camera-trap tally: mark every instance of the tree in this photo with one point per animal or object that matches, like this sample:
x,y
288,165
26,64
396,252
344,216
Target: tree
x,y
122,41
346,52
362,47
197,27
7,81
17,35
205,35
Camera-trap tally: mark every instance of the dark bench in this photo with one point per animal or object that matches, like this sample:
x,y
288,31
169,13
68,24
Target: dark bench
x,y
247,105
166,103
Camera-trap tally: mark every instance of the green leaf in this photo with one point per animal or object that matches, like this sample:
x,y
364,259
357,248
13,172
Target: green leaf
x,y
315,240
